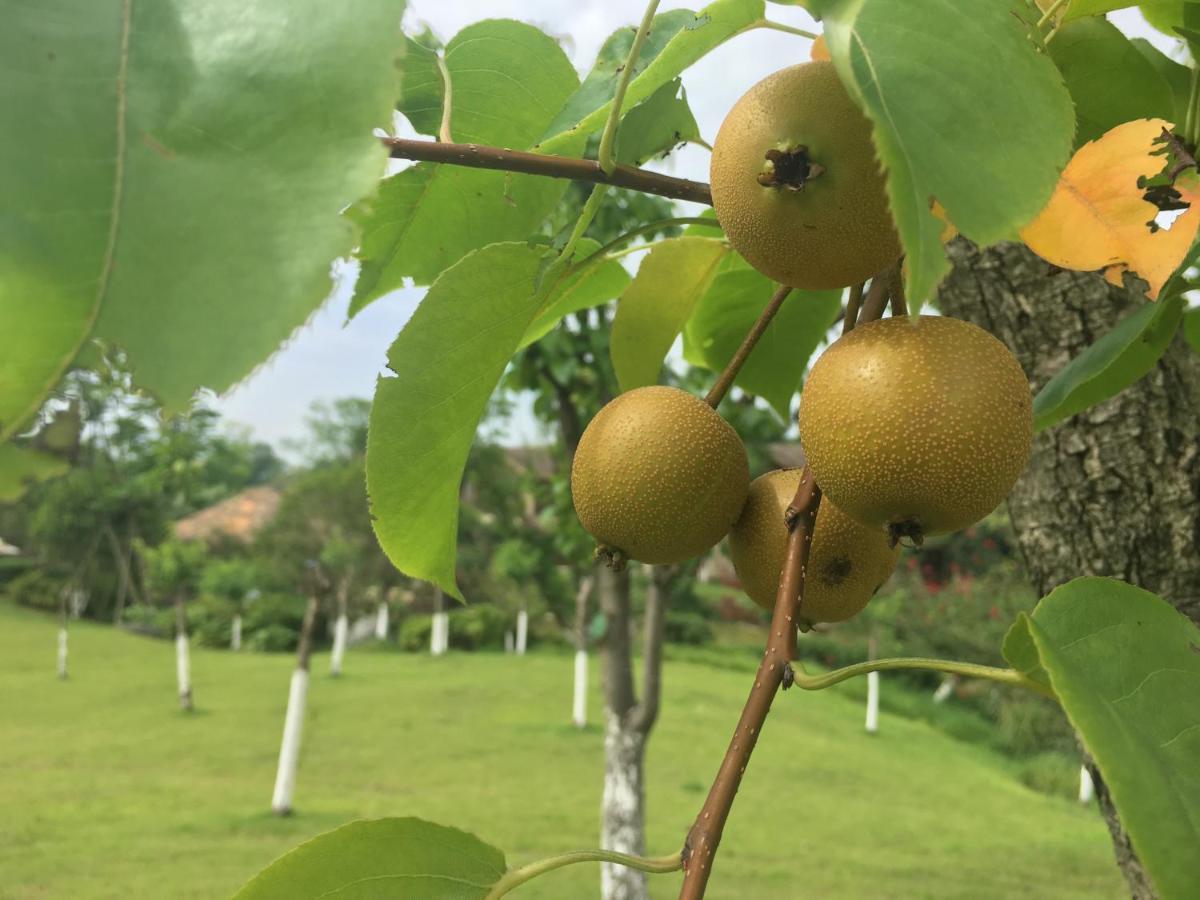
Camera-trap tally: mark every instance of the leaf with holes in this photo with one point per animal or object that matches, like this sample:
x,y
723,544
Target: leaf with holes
x,y
1099,218
673,276
186,205
731,306
1110,365
401,859
1125,666
946,128
657,126
427,217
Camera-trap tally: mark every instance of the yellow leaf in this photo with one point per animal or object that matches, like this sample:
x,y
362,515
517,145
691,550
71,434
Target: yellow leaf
x,y
1098,218
819,50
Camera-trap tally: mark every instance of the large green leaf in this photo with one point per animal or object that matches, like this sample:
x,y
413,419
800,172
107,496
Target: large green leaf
x,y
1110,365
1126,667
688,38
966,111
421,87
507,81
1177,76
175,172
729,308
673,276
21,466
657,125
590,285
1110,81
447,361
396,859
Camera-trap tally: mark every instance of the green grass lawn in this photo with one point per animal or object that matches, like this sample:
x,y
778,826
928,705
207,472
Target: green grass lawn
x,y
107,790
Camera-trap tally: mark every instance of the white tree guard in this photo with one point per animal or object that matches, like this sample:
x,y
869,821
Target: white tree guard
x,y
579,701
381,622
872,702
289,748
522,631
183,673
945,689
439,637
62,653
235,634
1087,789
340,628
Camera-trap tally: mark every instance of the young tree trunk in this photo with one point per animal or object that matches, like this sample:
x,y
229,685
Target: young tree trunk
x,y
63,619
627,726
293,722
381,620
579,695
235,633
872,723
1114,490
340,629
439,633
183,674
522,630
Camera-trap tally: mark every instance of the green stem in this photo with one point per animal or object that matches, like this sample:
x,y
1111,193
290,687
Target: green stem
x,y
968,670
1191,127
1050,12
444,135
786,29
605,252
607,161
517,877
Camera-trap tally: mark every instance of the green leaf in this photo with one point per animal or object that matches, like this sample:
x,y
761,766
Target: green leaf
x,y
507,80
447,361
657,126
1110,81
729,308
688,39
398,859
673,276
1126,667
1178,77
1022,653
1079,9
421,88
589,286
949,88
1191,328
1165,15
179,178
21,466
1110,365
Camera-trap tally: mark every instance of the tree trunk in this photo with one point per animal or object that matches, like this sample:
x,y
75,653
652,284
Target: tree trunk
x,y
579,695
627,726
293,722
439,633
381,620
522,630
183,673
1115,490
63,620
872,723
235,633
340,629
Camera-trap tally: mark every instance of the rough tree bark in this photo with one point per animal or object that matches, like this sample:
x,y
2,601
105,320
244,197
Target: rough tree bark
x,y
1114,490
628,722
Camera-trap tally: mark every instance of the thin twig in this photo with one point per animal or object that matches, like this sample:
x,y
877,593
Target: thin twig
x,y
725,381
852,306
516,877
787,29
705,833
877,298
607,161
478,156
899,301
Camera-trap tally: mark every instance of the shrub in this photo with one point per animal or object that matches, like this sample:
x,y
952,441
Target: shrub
x,y
35,588
686,628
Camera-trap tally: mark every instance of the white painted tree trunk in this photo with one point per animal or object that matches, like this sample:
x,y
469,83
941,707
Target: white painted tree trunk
x,y
340,627
439,634
872,702
62,652
289,748
622,818
522,631
381,622
579,701
945,689
235,634
183,673
1087,789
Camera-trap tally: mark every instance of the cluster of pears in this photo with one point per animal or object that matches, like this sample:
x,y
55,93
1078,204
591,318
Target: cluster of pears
x,y
912,426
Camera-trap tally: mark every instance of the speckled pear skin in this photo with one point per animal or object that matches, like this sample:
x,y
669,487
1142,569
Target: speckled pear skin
x,y
925,421
847,564
835,232
659,476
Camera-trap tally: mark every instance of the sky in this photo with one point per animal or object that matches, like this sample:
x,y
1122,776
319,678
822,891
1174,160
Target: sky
x,y
330,358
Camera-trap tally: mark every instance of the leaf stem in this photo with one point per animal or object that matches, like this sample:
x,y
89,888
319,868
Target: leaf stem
x,y
590,207
1050,13
478,156
968,670
607,162
517,877
786,29
444,135
725,381
853,304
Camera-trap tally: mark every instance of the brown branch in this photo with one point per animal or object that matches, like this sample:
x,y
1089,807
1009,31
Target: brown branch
x,y
477,156
899,301
853,303
705,834
725,381
877,297
646,712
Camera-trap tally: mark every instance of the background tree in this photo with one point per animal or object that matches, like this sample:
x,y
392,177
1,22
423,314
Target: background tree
x,y
173,570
